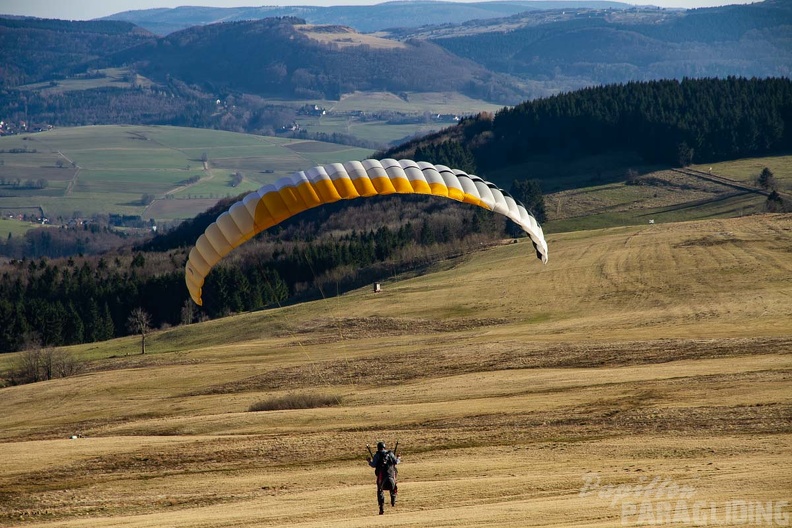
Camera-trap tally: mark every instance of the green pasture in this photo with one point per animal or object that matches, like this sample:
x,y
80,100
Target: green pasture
x,y
114,78
194,139
412,103
14,228
177,209
216,188
379,131
29,197
39,160
85,204
107,169
214,153
728,207
93,137
342,116
155,181
53,176
115,165
339,155
139,158
390,134
748,169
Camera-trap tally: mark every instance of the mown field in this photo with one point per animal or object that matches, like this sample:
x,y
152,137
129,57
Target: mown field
x,y
666,196
108,169
644,373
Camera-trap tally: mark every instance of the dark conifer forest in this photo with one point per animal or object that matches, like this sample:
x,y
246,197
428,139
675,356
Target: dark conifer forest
x,y
80,299
664,122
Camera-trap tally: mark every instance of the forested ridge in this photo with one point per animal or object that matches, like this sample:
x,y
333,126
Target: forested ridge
x,y
326,251
33,50
272,57
170,104
575,48
664,122
177,80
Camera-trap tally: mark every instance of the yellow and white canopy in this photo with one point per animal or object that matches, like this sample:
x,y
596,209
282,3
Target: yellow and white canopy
x,y
303,190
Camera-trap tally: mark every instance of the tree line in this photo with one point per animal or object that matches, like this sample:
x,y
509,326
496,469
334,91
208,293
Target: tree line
x,y
172,104
672,122
74,300
664,122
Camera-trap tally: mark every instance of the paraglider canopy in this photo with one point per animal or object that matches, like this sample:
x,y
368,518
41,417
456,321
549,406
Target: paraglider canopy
x,y
273,203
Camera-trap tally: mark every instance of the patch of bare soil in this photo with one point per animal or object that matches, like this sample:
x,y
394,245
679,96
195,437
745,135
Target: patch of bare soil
x,y
582,424
716,239
330,330
139,361
452,361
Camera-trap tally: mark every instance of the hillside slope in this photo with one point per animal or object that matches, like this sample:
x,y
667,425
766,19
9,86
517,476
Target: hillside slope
x,y
273,57
32,50
660,352
596,134
577,47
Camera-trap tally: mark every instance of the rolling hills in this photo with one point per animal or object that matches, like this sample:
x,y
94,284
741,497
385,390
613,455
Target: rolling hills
x,y
33,50
365,18
276,58
570,48
115,166
555,46
265,71
518,394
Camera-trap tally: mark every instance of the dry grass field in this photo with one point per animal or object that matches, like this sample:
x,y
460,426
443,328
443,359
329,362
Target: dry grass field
x,y
345,37
642,377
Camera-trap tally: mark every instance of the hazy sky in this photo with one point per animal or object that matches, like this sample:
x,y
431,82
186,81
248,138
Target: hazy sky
x,y
87,9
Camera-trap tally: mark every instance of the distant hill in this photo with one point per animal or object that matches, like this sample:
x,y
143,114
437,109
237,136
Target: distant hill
x,y
34,49
244,75
284,57
367,18
576,47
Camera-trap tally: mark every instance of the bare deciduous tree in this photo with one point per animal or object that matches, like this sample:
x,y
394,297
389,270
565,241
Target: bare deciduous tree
x,y
139,321
40,364
188,312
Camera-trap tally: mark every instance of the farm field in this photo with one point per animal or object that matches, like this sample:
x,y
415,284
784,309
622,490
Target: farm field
x,y
352,114
13,227
747,170
665,196
104,78
520,394
108,169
